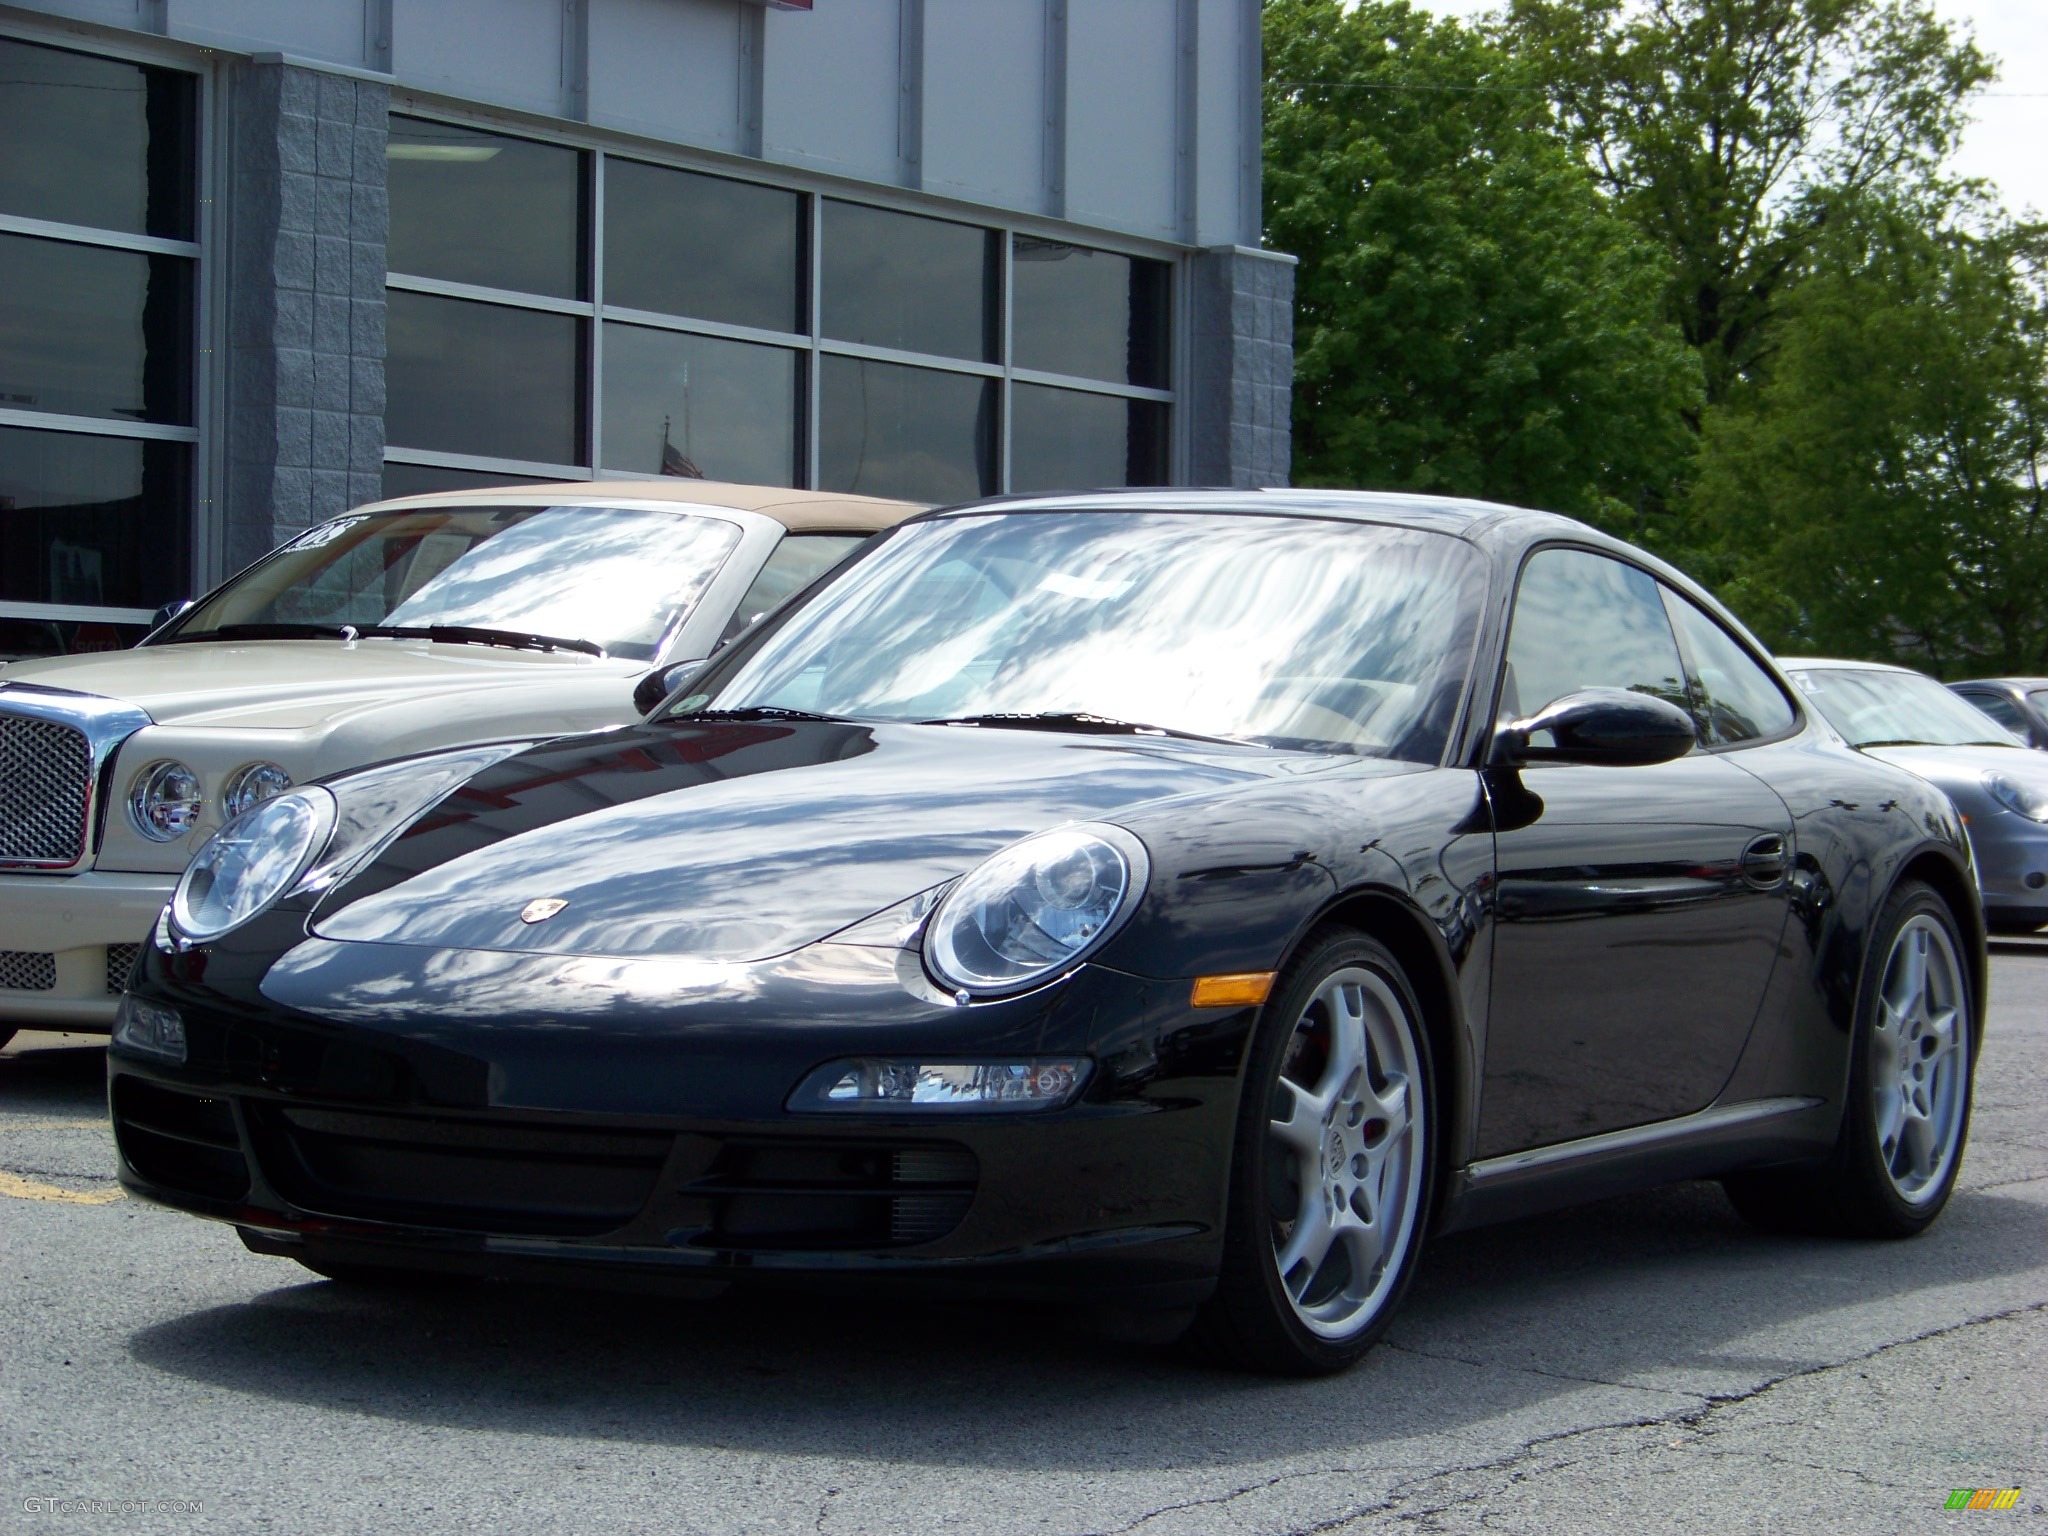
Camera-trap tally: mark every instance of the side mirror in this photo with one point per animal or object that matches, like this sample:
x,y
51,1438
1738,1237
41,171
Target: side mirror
x,y
661,682
168,612
1600,725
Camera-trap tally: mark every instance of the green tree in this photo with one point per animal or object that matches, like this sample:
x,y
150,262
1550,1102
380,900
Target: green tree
x,y
1732,131
1881,494
1471,317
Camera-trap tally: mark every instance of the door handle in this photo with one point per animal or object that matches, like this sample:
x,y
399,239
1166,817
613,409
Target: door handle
x,y
1765,860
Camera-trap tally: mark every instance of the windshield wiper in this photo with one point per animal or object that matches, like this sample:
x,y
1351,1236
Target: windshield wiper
x,y
1082,722
264,632
464,634
759,712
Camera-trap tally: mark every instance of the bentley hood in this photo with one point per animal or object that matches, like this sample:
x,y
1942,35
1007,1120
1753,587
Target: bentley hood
x,y
299,684
740,840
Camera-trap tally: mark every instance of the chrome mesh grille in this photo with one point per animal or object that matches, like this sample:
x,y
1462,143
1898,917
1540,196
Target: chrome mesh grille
x,y
23,970
45,787
120,960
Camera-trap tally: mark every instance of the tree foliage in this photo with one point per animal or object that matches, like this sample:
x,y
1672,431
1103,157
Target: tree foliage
x,y
1471,316
1732,131
1881,495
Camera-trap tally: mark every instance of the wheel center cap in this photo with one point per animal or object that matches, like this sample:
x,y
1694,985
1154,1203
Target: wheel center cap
x,y
1333,1153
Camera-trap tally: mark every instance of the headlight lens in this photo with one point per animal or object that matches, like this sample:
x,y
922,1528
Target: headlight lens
x,y
2022,799
165,801
251,862
252,784
1034,908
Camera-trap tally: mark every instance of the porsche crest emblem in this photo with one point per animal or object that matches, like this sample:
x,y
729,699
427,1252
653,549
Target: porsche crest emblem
x,y
541,908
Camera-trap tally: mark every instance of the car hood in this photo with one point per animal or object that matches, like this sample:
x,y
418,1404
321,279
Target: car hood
x,y
1965,767
740,840
297,684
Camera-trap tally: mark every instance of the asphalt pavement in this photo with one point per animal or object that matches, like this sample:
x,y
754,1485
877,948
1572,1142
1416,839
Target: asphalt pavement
x,y
1645,1364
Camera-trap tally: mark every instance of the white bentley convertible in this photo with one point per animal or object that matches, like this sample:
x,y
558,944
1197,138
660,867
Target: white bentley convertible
x,y
425,622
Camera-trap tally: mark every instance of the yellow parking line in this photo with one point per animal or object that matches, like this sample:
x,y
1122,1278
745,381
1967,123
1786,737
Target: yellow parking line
x,y
29,1189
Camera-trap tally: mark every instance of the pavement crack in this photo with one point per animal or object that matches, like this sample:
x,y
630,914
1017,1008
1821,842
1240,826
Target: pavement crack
x,y
1534,1370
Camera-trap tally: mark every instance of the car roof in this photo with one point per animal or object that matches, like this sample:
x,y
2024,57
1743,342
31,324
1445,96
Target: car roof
x,y
798,511
1837,664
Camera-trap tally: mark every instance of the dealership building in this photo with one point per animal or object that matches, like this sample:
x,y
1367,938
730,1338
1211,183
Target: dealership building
x,y
264,260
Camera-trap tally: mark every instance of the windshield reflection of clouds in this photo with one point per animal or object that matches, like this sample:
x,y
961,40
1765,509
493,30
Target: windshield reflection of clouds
x,y
1303,631
619,577
1870,707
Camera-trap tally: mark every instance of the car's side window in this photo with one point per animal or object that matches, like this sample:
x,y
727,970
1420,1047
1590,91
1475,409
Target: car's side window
x,y
1999,708
1587,621
793,564
1737,701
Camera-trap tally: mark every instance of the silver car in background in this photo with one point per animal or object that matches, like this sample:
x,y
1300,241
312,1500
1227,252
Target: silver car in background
x,y
1998,784
2020,704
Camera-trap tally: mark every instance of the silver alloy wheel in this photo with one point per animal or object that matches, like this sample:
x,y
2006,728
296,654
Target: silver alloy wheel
x,y
1920,1059
1348,1126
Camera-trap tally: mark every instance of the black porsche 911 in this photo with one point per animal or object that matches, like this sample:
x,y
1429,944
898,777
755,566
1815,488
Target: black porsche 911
x,y
1179,902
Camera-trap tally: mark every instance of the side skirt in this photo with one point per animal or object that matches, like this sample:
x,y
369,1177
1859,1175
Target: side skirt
x,y
1719,1139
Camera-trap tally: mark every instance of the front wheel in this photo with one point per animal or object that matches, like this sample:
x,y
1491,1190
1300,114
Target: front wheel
x,y
1908,1112
1333,1167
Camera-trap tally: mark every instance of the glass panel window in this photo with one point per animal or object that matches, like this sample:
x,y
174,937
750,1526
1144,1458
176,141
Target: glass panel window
x,y
679,243
916,433
421,479
1585,621
88,331
97,521
1891,708
96,141
462,377
676,404
1093,314
1738,700
471,207
799,560
1063,439
1999,708
618,577
898,280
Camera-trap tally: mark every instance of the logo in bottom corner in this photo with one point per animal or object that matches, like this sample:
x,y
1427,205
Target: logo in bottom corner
x,y
1982,1498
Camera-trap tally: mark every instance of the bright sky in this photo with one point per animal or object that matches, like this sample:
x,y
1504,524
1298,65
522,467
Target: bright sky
x,y
2008,142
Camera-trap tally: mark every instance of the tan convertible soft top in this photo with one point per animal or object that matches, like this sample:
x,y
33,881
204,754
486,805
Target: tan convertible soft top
x,y
798,511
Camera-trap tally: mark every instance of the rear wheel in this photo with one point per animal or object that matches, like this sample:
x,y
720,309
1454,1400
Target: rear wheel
x,y
1333,1166
1908,1111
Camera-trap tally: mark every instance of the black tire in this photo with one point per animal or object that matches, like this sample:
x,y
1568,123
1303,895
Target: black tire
x,y
1854,1194
1251,1322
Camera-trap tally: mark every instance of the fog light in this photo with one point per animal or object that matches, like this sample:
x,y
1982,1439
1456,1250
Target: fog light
x,y
149,1029
927,1085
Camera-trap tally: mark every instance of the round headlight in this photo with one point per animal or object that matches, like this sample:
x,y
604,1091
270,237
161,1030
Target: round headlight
x,y
1034,909
165,801
2023,799
252,784
252,861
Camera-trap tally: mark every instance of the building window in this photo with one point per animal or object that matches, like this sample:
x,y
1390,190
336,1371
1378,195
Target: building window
x,y
99,240
641,319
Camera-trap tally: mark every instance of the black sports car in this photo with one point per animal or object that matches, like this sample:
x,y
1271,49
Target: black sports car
x,y
1182,902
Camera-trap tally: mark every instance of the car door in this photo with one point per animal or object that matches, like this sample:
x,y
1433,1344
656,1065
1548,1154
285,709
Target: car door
x,y
1638,909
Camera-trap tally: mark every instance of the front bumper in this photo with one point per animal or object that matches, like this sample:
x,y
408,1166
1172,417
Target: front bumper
x,y
2012,869
66,943
654,1143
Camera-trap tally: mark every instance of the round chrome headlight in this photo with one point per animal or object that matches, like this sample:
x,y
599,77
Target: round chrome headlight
x,y
1034,909
252,861
252,784
165,801
2022,799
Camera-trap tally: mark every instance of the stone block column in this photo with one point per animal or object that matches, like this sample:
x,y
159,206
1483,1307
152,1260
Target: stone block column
x,y
308,222
1241,378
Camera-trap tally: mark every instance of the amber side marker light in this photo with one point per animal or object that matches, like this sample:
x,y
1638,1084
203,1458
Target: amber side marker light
x,y
1247,989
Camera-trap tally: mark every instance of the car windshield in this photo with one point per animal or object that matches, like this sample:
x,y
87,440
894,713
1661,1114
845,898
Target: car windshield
x,y
1288,632
1898,709
610,577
